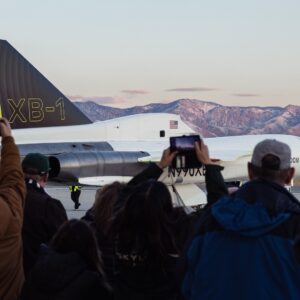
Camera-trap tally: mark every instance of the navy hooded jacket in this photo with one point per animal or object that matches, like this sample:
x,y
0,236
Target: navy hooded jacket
x,y
244,247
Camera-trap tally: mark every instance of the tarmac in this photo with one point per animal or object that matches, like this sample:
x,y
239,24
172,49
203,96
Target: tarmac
x,y
87,198
63,194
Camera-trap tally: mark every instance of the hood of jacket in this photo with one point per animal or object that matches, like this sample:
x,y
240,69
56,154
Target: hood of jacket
x,y
256,208
54,271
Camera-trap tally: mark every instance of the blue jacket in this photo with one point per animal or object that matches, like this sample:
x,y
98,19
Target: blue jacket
x,y
244,247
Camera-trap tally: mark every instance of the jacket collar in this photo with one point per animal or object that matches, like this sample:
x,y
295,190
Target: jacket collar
x,y
271,195
34,184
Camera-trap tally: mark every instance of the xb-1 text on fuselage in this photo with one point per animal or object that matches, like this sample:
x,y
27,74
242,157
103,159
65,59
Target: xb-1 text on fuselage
x,y
44,120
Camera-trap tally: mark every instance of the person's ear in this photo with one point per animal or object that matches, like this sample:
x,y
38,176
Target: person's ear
x,y
45,177
289,176
250,171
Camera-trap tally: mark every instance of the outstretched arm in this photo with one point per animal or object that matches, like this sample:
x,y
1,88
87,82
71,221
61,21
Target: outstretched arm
x,y
215,184
12,184
153,171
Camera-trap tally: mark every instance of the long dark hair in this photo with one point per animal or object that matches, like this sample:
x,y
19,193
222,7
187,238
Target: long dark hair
x,y
77,236
103,207
144,224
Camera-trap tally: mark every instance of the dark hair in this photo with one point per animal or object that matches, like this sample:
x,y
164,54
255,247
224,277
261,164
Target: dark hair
x,y
77,236
144,223
103,207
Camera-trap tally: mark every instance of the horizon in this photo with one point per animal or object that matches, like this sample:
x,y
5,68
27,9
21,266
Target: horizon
x,y
124,54
205,101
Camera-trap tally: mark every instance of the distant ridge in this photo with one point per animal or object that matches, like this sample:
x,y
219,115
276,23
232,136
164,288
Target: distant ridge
x,y
211,119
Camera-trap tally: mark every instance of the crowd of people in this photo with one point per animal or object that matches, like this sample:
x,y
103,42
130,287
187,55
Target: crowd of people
x,y
135,244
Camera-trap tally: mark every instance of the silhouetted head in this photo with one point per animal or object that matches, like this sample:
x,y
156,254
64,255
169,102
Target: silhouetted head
x,y
103,207
271,160
36,166
77,236
144,223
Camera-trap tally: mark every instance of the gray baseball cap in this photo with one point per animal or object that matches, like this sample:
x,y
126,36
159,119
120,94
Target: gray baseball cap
x,y
272,147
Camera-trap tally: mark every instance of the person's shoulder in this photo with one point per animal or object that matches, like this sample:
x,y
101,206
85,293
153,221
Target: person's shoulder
x,y
54,203
95,276
89,216
35,194
54,200
96,283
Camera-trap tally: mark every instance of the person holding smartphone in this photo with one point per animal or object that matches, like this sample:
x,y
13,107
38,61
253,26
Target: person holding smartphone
x,y
12,197
180,225
215,185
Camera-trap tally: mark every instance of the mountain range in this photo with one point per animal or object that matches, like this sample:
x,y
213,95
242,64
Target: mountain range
x,y
210,119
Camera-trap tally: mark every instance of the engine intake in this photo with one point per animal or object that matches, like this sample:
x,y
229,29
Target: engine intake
x,y
70,166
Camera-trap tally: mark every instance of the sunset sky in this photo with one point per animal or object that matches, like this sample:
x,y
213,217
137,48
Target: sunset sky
x,y
133,52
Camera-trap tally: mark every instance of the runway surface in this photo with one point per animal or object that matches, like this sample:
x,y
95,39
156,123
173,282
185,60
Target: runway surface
x,y
88,195
86,199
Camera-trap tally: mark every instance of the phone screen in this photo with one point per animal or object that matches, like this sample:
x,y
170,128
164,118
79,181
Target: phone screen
x,y
186,157
184,143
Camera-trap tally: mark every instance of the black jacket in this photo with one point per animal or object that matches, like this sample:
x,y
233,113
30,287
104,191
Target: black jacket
x,y
214,181
187,224
43,215
147,280
106,245
215,187
63,277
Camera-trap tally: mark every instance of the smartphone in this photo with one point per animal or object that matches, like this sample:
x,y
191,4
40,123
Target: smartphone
x,y
186,157
185,143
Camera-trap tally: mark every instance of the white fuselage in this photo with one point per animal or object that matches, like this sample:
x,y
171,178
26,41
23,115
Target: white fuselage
x,y
142,133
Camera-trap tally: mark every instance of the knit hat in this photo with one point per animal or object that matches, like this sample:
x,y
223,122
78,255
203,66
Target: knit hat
x,y
35,163
272,147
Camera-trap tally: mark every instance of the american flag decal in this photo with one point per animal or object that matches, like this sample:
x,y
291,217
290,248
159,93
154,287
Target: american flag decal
x,y
173,124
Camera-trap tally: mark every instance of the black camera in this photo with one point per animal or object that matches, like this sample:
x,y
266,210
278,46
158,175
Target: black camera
x,y
186,156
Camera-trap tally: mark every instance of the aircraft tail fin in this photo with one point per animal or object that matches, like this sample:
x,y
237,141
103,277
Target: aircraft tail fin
x,y
28,99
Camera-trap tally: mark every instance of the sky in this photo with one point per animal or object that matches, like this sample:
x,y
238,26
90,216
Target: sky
x,y
123,53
